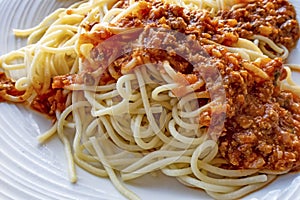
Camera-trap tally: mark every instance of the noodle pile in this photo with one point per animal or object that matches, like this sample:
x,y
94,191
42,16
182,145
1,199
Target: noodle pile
x,y
142,119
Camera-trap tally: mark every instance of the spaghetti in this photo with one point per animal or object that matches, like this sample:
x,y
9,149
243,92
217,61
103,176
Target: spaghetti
x,y
149,85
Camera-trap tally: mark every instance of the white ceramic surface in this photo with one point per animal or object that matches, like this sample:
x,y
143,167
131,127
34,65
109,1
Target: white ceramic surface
x,y
29,171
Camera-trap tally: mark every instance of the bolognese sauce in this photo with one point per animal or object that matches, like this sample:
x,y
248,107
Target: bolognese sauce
x,y
275,19
262,125
7,87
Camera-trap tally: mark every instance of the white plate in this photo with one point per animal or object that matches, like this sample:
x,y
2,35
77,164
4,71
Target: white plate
x,y
30,171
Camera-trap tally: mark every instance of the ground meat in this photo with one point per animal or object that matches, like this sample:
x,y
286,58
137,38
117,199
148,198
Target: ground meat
x,y
61,81
47,103
271,18
275,19
50,102
262,126
197,22
7,87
